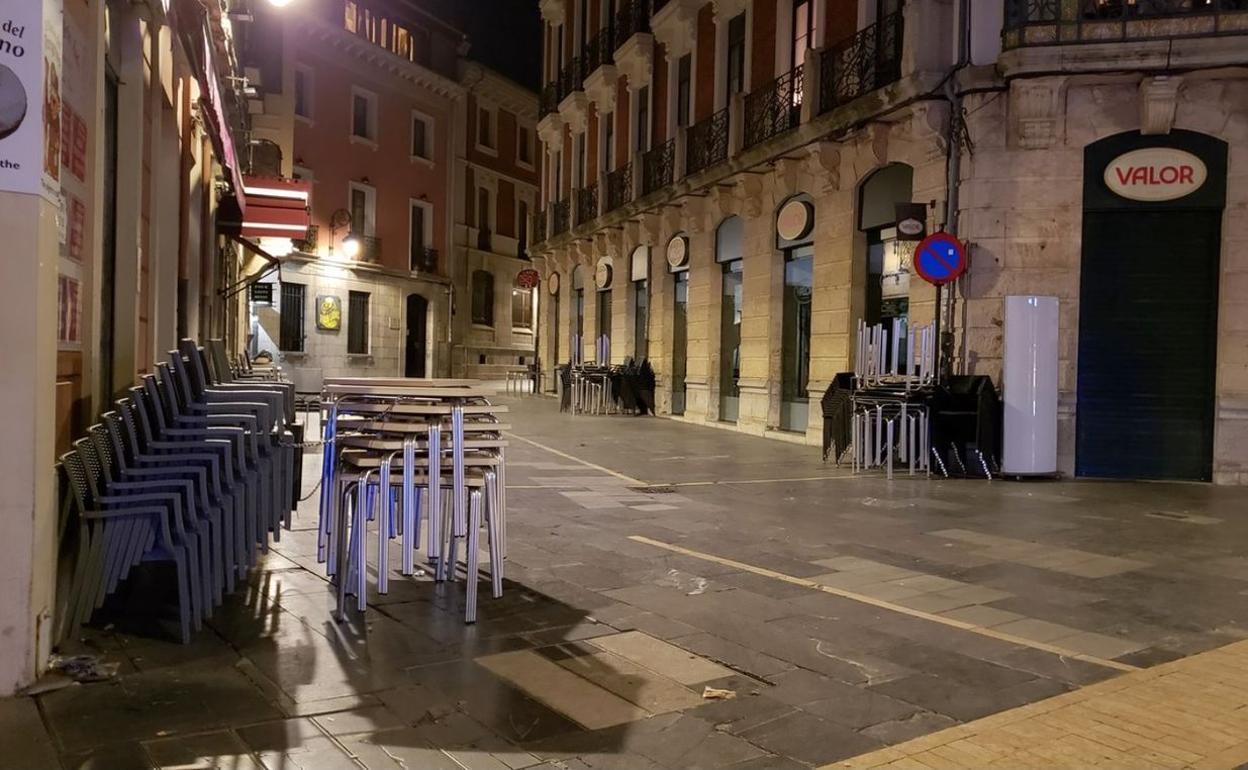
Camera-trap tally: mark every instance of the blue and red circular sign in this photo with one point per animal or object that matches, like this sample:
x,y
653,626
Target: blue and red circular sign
x,y
940,258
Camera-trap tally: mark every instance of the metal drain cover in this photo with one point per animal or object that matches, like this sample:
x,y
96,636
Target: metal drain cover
x,y
656,489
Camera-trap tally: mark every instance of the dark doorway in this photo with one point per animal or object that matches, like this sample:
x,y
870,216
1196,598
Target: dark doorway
x,y
108,267
417,326
1147,343
1148,307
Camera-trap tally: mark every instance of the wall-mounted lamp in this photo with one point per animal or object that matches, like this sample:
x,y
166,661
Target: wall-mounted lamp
x,y
350,245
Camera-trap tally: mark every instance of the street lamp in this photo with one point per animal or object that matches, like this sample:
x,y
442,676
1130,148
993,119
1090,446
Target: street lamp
x,y
279,3
350,244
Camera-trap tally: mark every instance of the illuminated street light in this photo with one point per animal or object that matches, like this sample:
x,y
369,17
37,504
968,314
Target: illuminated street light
x,y
279,3
351,245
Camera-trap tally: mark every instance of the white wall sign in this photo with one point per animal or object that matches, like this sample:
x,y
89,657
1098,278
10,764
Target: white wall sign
x,y
30,98
602,273
552,283
677,252
639,267
1155,174
794,220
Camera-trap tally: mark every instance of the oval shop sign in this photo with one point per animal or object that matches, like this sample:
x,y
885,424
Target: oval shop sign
x,y
1155,174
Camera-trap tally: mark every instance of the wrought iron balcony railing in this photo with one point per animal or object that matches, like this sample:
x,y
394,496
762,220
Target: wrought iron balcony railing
x,y
599,51
619,187
1050,22
559,216
632,17
657,166
539,226
861,63
708,142
425,260
549,100
370,249
307,244
774,108
587,203
571,78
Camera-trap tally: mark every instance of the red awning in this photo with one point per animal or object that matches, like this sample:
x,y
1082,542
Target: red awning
x,y
276,208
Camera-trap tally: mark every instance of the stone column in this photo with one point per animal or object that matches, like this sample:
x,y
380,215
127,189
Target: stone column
x,y
702,367
762,293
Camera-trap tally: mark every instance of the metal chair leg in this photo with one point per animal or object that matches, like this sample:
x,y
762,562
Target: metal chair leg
x,y
473,556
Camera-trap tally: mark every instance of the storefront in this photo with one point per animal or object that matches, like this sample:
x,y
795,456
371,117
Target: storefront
x,y
1148,306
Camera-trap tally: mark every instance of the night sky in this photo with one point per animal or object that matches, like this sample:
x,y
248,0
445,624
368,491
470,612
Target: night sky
x,y
506,36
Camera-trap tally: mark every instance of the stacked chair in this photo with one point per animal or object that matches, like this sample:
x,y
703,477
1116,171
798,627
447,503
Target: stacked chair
x,y
196,467
406,455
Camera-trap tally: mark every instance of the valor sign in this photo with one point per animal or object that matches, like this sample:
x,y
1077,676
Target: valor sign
x,y
1155,174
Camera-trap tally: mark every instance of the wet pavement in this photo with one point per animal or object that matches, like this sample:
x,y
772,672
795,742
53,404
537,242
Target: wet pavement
x,y
677,597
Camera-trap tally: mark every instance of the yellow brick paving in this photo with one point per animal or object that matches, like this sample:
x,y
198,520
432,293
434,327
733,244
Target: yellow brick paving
x,y
1189,714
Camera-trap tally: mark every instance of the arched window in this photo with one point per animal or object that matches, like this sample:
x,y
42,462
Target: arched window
x,y
483,298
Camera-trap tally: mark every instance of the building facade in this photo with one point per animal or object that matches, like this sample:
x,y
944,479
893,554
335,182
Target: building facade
x,y
495,318
113,186
421,164
720,182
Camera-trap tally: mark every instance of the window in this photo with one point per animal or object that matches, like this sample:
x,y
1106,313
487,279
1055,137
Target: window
x,y
582,159
485,128
522,309
643,119
524,145
483,298
357,323
363,209
803,20
290,333
522,229
684,89
641,321
363,115
422,136
484,241
419,239
602,346
422,47
736,54
608,142
303,92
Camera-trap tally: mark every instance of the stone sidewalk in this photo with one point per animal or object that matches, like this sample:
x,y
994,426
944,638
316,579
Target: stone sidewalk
x,y
648,561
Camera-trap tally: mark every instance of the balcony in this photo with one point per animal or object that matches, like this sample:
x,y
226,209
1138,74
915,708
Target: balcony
x,y
559,217
571,78
548,101
539,227
586,203
425,260
485,240
774,108
708,143
307,244
619,187
599,51
861,63
1049,22
658,165
632,18
370,249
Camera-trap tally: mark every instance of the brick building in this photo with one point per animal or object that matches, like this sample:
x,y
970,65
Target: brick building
x,y
676,133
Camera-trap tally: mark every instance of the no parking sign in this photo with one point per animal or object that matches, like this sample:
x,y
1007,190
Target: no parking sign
x,y
940,258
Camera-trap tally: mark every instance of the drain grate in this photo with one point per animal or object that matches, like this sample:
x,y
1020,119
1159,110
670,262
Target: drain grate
x,y
655,489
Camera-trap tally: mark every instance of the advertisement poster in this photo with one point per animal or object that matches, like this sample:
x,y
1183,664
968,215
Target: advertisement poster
x,y
30,98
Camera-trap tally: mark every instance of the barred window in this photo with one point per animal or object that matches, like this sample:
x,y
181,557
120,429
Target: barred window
x,y
290,332
522,309
357,323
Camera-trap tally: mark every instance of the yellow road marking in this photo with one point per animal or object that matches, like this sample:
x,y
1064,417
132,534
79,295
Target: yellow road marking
x,y
886,605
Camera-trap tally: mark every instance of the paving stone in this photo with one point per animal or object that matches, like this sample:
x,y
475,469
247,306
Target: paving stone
x,y
734,655
664,658
1036,630
986,617
807,738
653,692
581,701
24,741
1100,645
907,727
206,750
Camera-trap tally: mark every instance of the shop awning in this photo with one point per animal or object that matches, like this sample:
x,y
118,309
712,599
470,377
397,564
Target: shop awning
x,y
276,208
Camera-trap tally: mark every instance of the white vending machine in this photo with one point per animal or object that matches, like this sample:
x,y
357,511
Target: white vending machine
x,y
1030,385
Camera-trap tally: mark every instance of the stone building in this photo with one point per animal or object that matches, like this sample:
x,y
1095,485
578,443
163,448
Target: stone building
x,y
495,318
402,139
720,181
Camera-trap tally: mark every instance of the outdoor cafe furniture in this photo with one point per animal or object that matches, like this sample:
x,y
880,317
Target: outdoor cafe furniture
x,y
444,438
